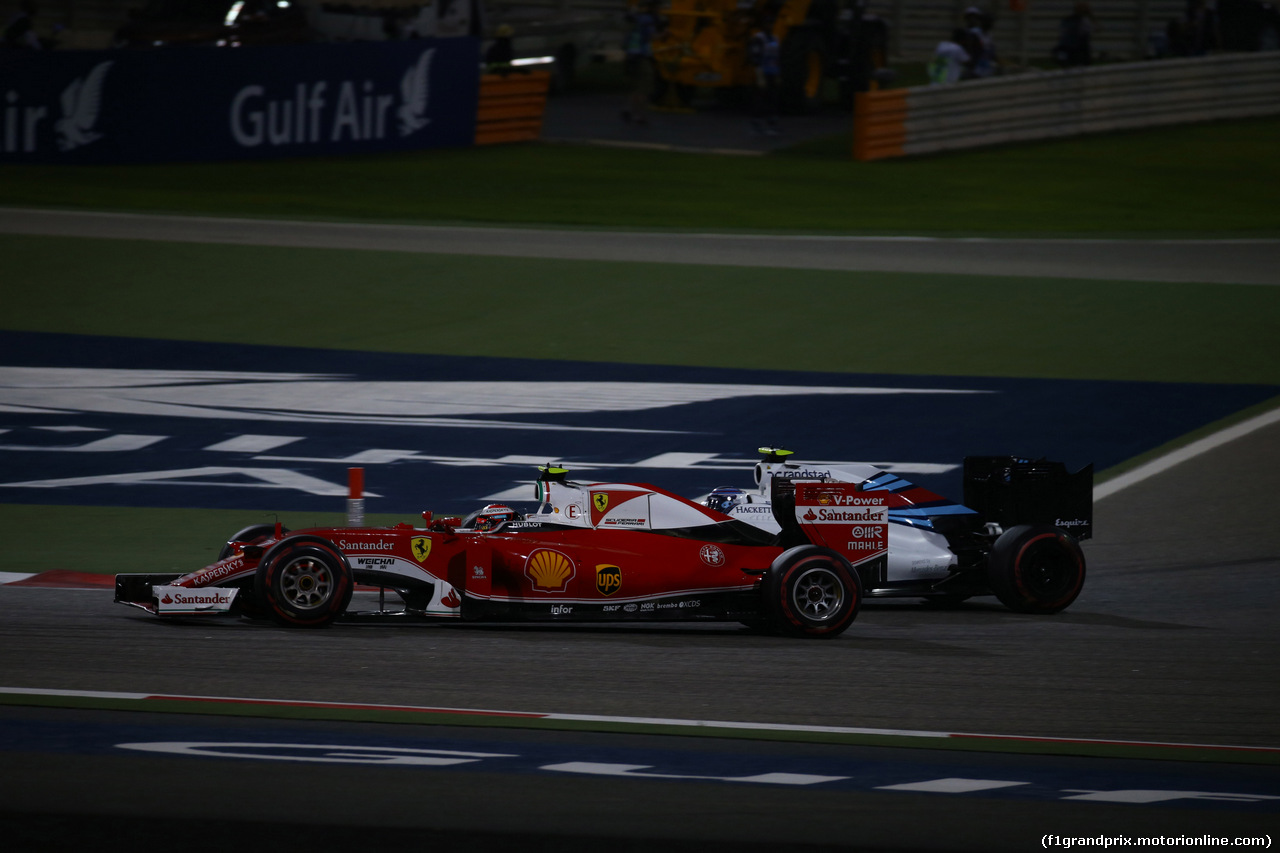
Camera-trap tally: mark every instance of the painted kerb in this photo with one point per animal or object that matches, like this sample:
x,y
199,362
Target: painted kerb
x,y
927,119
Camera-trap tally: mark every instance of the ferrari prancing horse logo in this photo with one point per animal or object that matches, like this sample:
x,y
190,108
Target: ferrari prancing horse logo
x,y
600,501
421,548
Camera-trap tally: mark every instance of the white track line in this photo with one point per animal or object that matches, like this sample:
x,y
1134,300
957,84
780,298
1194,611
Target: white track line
x,y
1182,454
655,722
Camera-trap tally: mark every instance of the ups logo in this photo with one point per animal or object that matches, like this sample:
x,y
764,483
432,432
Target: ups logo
x,y
608,579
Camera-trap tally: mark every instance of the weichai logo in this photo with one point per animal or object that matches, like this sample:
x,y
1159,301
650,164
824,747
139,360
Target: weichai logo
x,y
608,579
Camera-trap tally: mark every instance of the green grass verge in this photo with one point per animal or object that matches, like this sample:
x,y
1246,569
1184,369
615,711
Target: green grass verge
x,y
1028,746
643,312
1197,179
159,539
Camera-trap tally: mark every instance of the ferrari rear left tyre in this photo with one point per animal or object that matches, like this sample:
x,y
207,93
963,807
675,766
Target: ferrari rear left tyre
x,y
1036,568
812,592
304,584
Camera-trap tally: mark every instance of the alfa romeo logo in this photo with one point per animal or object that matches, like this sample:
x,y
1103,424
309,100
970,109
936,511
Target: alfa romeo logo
x,y
712,555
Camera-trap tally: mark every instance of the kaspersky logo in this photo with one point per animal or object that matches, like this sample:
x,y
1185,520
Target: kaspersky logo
x,y
315,112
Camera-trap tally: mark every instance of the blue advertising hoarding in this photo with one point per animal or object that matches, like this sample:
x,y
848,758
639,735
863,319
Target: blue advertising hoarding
x,y
149,106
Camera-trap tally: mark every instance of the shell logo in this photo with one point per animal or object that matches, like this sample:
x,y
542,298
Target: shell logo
x,y
549,570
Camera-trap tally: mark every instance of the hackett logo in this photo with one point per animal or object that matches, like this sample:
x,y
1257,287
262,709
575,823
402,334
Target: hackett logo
x,y
357,112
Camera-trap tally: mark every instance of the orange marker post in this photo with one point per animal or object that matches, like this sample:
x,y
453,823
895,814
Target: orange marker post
x,y
355,497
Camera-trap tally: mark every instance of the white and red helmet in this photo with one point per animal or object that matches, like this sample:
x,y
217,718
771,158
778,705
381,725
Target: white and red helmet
x,y
489,517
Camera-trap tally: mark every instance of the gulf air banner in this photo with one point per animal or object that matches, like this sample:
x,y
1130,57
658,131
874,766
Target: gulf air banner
x,y
178,104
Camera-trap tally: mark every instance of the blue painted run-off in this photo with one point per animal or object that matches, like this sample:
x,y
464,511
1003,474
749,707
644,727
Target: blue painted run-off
x,y
1138,783
108,421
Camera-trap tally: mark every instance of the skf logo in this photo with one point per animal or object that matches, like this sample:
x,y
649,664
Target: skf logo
x,y
421,548
600,501
608,579
549,570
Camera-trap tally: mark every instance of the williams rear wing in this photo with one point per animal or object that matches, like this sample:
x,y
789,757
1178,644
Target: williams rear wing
x,y
1008,490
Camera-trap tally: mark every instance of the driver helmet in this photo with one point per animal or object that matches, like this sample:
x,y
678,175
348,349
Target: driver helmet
x,y
491,516
724,499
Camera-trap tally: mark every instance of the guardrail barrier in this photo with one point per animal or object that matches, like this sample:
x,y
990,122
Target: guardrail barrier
x,y
1018,108
511,107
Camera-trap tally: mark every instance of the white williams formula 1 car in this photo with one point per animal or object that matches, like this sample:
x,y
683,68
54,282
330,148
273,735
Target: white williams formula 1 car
x,y
1016,535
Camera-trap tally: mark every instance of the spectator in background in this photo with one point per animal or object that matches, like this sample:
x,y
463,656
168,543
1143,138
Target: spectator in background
x,y
765,55
20,33
950,59
497,58
982,47
638,64
1075,38
1201,27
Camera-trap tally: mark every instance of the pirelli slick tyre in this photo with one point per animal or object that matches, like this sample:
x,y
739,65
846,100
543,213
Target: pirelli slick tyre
x,y
1035,568
811,592
304,582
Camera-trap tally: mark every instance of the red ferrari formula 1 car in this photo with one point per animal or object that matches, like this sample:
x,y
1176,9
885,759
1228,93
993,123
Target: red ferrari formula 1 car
x,y
591,552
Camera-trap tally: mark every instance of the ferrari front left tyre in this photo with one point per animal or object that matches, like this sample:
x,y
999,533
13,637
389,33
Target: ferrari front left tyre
x,y
812,592
304,584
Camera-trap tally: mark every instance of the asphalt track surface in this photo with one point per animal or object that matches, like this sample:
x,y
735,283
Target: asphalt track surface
x,y
1173,639
1210,261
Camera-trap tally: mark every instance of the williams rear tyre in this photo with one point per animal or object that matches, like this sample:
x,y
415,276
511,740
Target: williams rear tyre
x,y
811,592
304,583
1035,568
250,534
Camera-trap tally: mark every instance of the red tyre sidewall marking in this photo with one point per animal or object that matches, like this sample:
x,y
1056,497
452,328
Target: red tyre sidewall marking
x,y
1017,564
339,586
794,618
